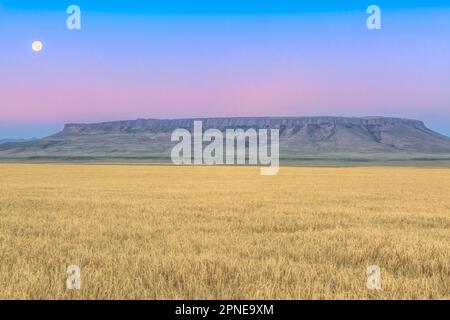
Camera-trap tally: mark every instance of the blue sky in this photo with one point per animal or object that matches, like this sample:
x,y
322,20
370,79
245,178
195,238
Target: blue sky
x,y
221,6
170,59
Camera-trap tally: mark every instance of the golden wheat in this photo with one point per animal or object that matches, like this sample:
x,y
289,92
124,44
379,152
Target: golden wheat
x,y
164,232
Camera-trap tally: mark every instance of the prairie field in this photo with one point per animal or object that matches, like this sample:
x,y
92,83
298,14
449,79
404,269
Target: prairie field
x,y
167,232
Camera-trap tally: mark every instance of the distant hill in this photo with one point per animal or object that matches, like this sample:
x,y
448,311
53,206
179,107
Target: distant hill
x,y
364,139
16,140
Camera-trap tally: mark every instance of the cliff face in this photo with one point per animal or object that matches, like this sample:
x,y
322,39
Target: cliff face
x,y
294,123
366,139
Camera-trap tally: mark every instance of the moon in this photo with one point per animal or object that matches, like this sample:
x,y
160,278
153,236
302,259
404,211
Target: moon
x,y
37,46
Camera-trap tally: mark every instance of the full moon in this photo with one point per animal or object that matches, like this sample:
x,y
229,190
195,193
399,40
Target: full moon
x,y
37,46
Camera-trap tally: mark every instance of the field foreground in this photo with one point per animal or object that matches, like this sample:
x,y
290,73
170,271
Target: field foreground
x,y
164,232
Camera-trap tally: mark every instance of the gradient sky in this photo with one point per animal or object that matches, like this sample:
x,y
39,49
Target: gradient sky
x,y
180,58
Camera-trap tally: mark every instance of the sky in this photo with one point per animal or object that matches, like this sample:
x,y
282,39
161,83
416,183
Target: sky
x,y
182,59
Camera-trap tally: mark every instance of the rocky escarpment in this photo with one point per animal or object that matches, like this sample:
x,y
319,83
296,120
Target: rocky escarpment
x,y
367,139
294,123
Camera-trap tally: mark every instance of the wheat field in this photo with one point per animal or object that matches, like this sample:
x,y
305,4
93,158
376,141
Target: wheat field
x,y
165,232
